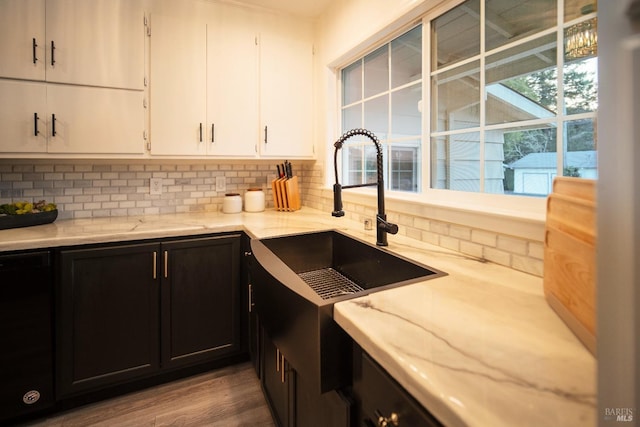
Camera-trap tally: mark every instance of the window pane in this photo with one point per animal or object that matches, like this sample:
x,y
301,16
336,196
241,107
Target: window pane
x,y
580,160
530,154
404,174
376,72
456,35
576,8
376,116
352,83
359,163
456,162
521,82
406,58
508,21
456,95
352,164
581,86
406,118
352,118
494,173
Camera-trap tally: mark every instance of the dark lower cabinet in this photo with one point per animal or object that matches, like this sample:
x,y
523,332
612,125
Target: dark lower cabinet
x,y
252,322
380,400
333,408
294,401
278,383
108,316
200,300
127,312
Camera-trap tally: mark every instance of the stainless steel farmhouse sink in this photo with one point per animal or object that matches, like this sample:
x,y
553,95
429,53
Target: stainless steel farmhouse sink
x,y
297,279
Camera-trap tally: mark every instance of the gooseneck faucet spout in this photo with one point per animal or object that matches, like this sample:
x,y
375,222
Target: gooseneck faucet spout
x,y
382,226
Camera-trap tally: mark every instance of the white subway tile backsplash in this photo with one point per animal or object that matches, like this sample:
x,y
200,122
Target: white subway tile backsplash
x,y
513,245
485,238
497,256
92,190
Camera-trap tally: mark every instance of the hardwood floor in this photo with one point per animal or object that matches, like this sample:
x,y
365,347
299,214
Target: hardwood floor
x,y
229,396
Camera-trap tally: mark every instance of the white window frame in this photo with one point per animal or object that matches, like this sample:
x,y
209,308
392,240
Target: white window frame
x,y
519,216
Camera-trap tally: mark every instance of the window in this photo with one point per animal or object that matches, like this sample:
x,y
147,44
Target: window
x,y
509,115
382,92
512,100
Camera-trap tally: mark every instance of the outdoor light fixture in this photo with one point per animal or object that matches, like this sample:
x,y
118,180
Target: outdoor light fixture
x,y
581,40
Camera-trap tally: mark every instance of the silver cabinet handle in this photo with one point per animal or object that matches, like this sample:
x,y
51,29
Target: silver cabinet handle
x,y
155,264
166,264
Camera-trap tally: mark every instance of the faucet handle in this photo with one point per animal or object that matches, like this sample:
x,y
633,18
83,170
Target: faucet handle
x,y
386,225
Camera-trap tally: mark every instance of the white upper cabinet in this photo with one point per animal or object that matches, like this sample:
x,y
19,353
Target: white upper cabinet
x,y
22,39
255,70
91,120
232,83
40,118
72,77
204,84
95,42
178,86
23,117
85,42
286,89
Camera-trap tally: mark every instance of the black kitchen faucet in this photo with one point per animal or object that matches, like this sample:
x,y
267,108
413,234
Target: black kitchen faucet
x,y
382,226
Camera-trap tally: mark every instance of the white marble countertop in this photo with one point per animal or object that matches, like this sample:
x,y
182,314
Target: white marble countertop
x,y
479,347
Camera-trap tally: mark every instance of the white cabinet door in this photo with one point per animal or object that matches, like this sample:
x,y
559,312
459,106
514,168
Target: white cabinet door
x,y
22,39
19,103
286,90
88,120
232,81
178,87
95,42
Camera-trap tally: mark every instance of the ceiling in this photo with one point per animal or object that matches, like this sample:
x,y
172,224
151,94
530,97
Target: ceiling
x,y
304,8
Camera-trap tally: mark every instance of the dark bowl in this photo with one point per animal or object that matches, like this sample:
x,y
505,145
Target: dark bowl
x,y
27,220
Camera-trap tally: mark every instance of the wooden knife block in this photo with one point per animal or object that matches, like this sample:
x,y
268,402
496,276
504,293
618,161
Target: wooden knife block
x,y
286,194
570,256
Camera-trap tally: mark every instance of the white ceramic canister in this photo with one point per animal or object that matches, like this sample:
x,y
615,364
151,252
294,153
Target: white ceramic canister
x,y
254,200
232,203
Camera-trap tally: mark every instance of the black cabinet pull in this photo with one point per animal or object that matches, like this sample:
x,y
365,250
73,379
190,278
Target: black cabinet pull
x,y
35,124
53,125
34,46
213,132
265,135
53,53
200,132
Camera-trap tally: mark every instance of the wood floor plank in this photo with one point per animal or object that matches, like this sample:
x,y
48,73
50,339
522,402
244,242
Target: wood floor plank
x,y
229,396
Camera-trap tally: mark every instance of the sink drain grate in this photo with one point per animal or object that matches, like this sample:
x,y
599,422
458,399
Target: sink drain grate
x,y
329,283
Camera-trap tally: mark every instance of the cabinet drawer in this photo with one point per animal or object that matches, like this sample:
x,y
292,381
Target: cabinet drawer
x,y
378,395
